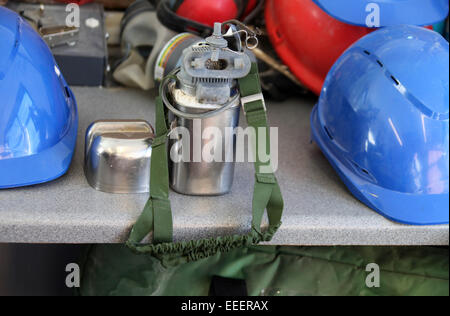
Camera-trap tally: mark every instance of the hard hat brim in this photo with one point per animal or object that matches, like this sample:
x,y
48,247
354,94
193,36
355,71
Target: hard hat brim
x,y
414,12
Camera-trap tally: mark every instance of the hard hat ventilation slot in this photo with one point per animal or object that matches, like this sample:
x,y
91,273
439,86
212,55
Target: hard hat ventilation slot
x,y
395,80
386,72
278,34
363,172
66,90
328,133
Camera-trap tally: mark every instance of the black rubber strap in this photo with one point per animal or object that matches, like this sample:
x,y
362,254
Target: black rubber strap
x,y
168,17
133,10
241,6
173,21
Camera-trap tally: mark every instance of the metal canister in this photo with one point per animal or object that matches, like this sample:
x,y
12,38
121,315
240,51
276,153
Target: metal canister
x,y
202,97
197,176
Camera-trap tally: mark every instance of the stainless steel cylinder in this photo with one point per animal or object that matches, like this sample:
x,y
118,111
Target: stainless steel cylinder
x,y
195,177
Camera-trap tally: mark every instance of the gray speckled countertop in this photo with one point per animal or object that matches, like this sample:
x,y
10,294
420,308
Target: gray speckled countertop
x,y
319,210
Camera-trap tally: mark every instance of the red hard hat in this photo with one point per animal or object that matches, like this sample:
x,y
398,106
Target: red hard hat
x,y
210,11
307,39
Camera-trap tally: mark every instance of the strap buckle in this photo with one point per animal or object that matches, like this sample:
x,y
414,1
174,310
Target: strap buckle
x,y
253,98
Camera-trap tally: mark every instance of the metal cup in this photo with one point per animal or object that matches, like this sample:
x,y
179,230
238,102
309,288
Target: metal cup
x,y
118,155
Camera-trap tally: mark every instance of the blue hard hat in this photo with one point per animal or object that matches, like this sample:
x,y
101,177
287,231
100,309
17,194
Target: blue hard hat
x,y
391,12
383,123
38,113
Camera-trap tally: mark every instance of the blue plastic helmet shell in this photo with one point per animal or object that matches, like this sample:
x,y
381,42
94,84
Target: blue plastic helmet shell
x,y
383,123
38,112
391,12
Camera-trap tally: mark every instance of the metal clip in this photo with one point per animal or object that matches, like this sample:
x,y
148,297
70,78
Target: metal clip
x,y
250,34
253,98
52,33
59,35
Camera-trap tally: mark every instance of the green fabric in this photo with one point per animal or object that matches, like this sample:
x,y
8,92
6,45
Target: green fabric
x,y
267,270
156,217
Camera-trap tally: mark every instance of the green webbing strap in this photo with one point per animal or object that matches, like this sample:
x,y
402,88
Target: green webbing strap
x,y
267,193
157,215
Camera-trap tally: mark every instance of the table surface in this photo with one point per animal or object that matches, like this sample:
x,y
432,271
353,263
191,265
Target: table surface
x,y
319,209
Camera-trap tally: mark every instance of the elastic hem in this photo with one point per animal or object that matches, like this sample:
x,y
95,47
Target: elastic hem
x,y
199,249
